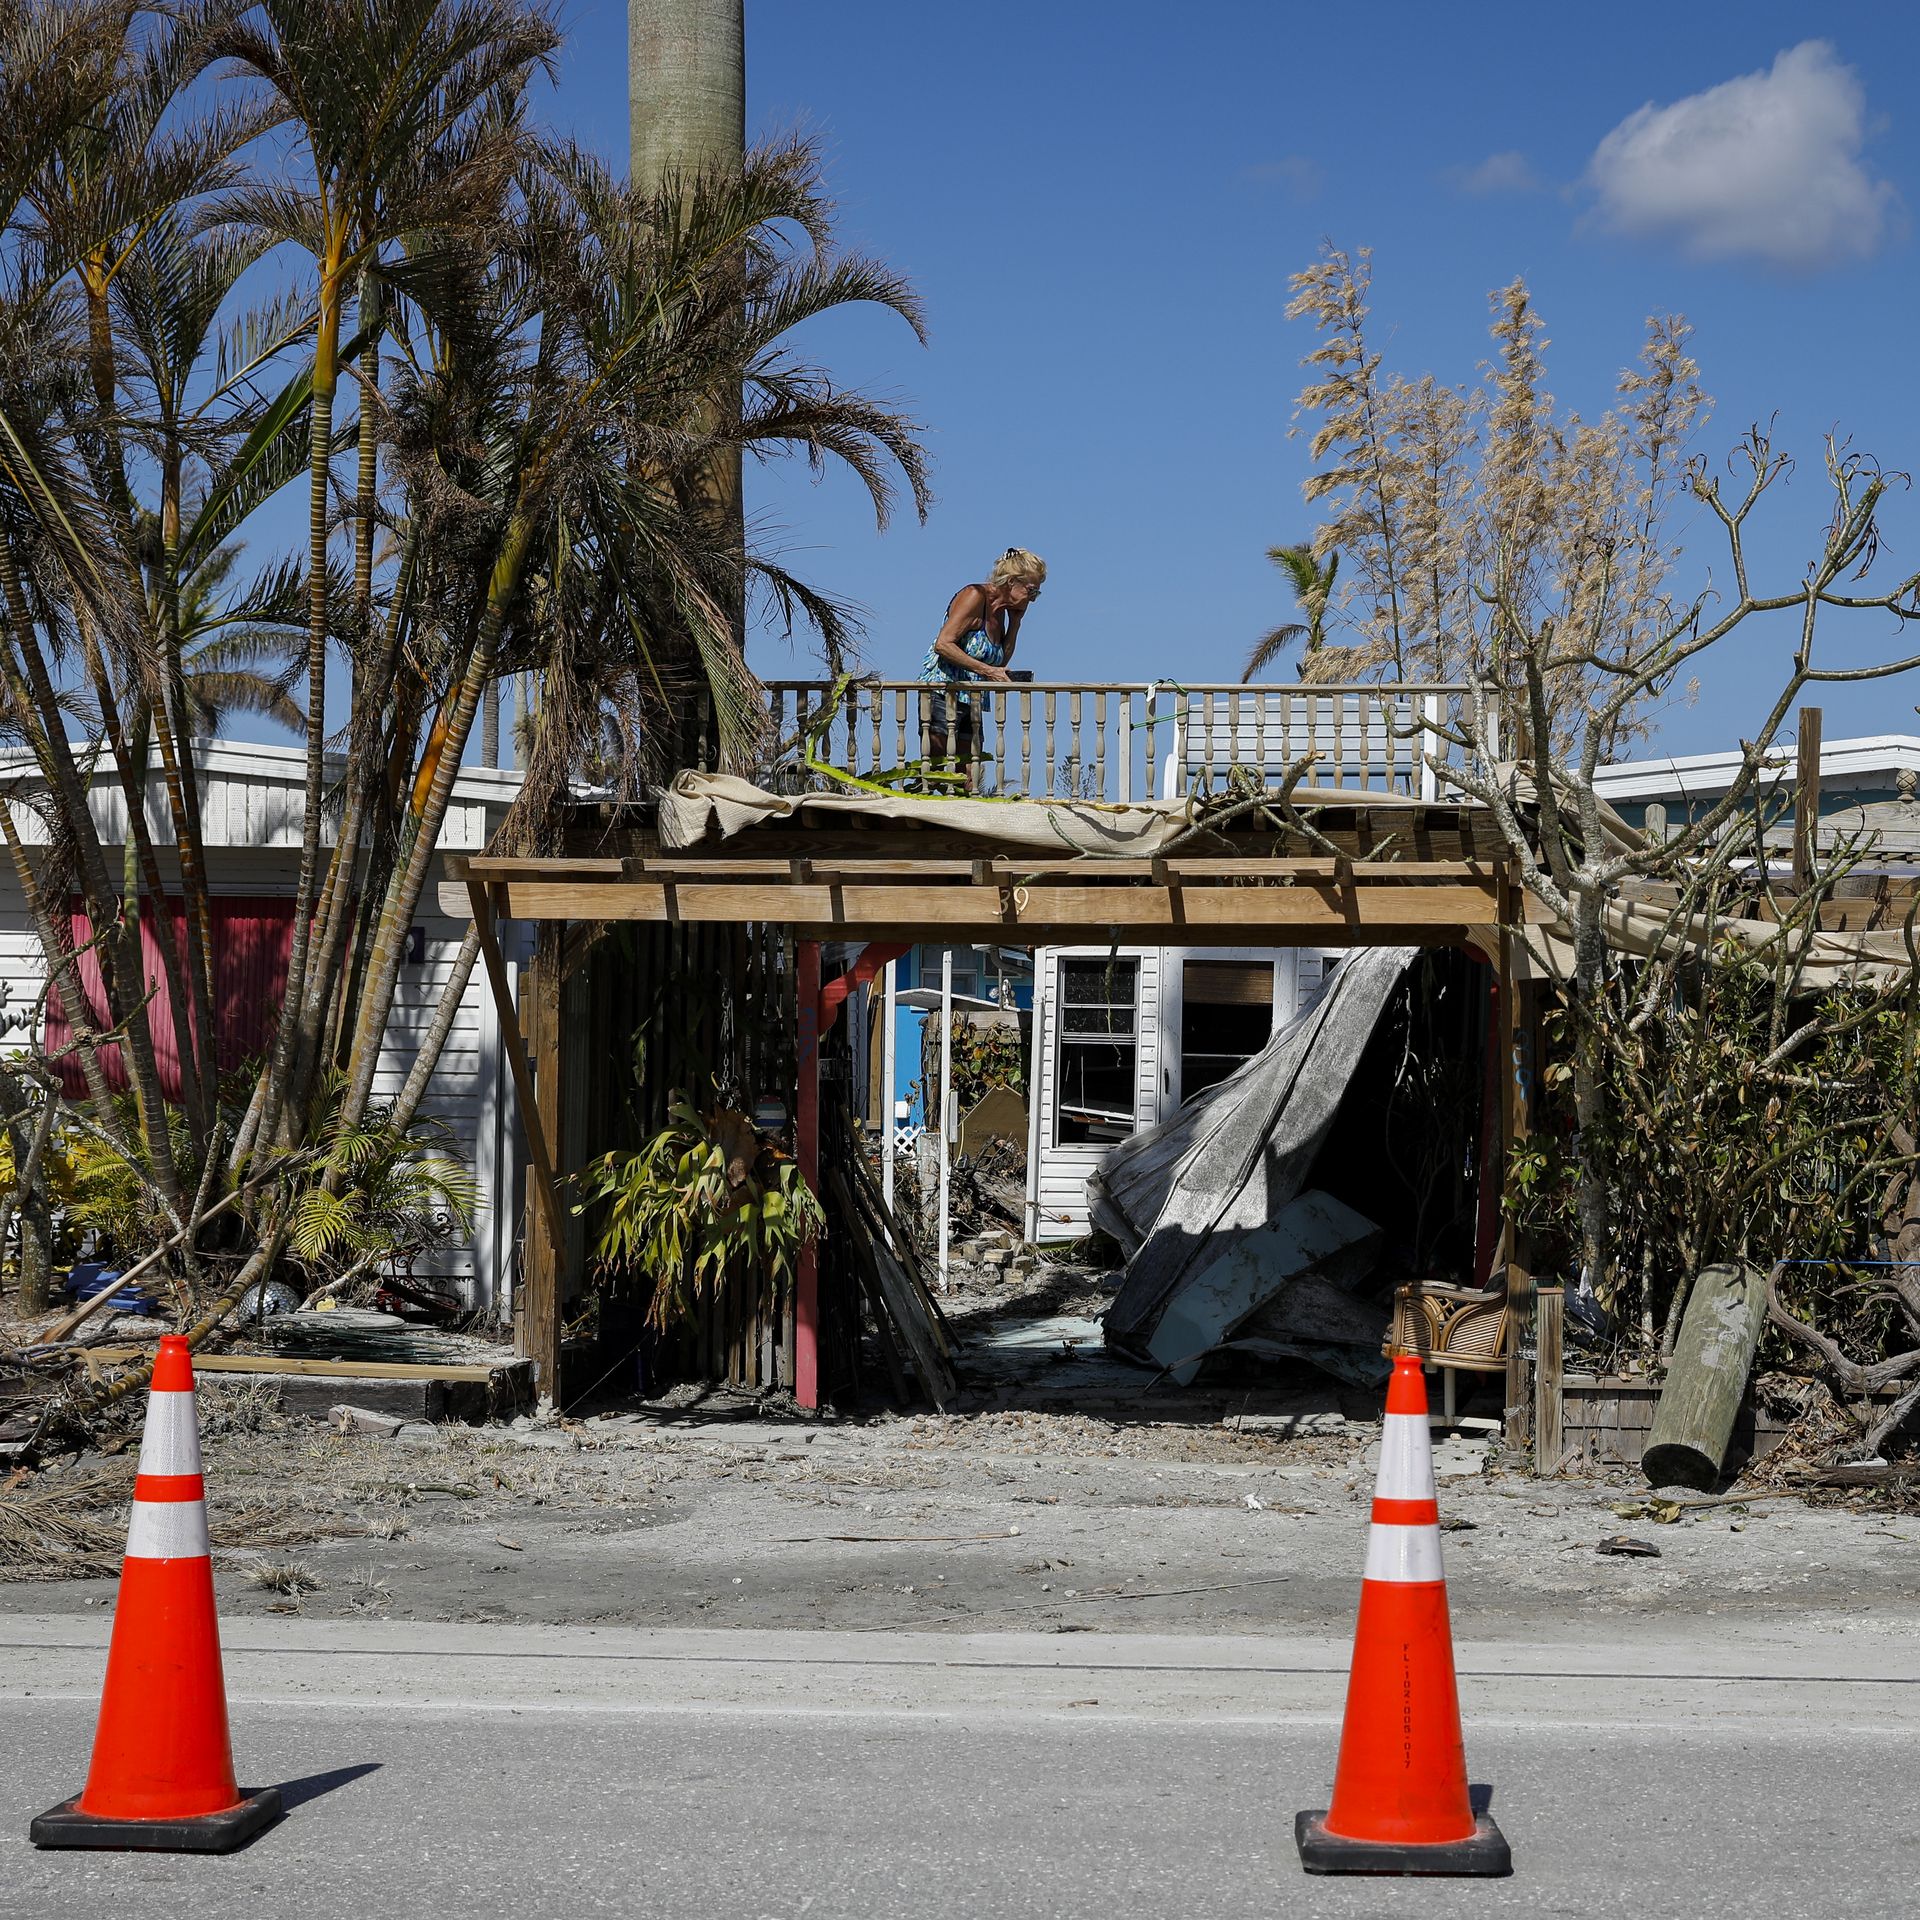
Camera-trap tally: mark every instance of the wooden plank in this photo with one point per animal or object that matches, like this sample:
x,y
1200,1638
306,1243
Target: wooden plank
x,y
1548,1438
857,907
479,1372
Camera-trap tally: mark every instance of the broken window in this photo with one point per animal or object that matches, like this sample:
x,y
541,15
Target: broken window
x,y
1226,1017
1098,1051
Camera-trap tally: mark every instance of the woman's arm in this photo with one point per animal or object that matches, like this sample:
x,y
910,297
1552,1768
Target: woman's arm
x,y
1014,616
968,611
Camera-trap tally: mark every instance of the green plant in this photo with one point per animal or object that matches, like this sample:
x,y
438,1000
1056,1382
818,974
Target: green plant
x,y
702,1203
986,1053
1715,1142
376,1194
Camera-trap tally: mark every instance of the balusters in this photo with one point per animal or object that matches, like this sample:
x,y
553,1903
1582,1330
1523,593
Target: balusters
x,y
1046,761
1100,744
900,754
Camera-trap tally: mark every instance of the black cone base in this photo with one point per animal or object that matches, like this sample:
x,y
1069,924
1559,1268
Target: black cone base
x,y
66,1826
1323,1852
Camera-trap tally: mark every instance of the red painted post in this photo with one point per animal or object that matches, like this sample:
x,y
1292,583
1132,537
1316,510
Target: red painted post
x,y
806,1304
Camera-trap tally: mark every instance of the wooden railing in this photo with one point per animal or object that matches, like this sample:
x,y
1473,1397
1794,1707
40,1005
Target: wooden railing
x,y
1112,742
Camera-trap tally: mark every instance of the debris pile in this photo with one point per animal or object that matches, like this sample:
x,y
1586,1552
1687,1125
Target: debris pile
x,y
1228,1248
911,1330
73,1526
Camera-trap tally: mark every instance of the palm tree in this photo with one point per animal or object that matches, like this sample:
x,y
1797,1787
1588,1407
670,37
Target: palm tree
x,y
242,651
1312,586
583,444
396,106
687,107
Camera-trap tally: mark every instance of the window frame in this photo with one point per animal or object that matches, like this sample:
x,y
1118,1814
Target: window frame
x,y
1127,1043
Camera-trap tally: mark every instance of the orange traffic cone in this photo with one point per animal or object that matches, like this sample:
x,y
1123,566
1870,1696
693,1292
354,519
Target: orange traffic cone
x,y
162,1772
1400,1801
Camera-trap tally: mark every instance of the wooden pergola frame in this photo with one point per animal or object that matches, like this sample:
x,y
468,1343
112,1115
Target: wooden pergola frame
x,y
1455,887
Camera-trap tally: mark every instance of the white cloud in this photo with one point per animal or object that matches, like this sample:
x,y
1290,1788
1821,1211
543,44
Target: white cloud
x,y
1498,173
1766,167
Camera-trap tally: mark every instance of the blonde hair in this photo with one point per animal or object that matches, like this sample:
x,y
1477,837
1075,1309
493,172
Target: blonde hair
x,y
1017,564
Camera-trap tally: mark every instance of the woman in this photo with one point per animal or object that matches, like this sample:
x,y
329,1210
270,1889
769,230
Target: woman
x,y
974,643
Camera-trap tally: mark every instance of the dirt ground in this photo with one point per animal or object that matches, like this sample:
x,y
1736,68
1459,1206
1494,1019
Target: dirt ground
x,y
994,1520
1068,1496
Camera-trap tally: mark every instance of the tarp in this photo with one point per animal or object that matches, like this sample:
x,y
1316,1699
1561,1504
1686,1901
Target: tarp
x,y
1185,1192
720,806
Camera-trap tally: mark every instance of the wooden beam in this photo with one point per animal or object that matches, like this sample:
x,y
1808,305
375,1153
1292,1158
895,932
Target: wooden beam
x,y
540,1325
854,909
806,1137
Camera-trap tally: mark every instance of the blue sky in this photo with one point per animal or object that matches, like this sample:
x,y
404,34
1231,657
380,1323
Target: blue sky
x,y
1101,206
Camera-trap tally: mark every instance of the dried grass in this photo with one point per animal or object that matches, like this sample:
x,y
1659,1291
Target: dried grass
x,y
74,1527
291,1577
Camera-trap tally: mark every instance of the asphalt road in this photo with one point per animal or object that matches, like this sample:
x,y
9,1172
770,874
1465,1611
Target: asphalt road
x,y
439,1770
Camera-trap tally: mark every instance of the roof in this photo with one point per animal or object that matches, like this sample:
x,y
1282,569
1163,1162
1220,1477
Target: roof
x,y
1873,760
253,795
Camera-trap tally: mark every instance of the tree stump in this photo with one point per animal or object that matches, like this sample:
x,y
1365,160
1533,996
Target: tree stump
x,y
1693,1424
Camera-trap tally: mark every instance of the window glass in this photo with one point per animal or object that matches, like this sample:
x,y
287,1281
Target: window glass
x,y
1098,1051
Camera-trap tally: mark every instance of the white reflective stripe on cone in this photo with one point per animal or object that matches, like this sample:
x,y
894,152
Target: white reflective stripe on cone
x,y
171,1442
1403,1554
1406,1459
172,1530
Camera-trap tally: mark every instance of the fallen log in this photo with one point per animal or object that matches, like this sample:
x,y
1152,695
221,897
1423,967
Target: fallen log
x,y
1707,1378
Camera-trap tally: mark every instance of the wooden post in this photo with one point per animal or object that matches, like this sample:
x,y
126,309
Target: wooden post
x,y
1517,1004
1806,799
806,1304
1707,1378
1550,1328
889,1133
946,1096
537,1319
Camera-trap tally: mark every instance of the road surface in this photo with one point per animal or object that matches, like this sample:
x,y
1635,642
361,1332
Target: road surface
x,y
470,1771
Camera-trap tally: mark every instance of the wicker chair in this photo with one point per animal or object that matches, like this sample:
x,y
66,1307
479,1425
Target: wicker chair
x,y
1453,1329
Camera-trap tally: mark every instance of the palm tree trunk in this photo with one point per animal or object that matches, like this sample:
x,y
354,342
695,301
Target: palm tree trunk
x,y
686,87
687,106
326,375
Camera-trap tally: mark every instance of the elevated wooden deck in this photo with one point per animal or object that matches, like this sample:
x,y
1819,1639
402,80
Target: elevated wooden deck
x,y
831,843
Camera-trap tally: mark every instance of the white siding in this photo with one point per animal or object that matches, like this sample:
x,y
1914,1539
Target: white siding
x,y
467,1095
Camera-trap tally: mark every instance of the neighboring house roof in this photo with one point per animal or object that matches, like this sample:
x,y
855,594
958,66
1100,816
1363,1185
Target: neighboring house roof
x,y
255,796
1869,790
1871,762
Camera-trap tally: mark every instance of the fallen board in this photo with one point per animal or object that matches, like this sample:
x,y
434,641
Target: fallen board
x,y
407,1390
269,1363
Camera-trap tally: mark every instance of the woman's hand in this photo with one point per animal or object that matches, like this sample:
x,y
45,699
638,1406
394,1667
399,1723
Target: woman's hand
x,y
986,672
